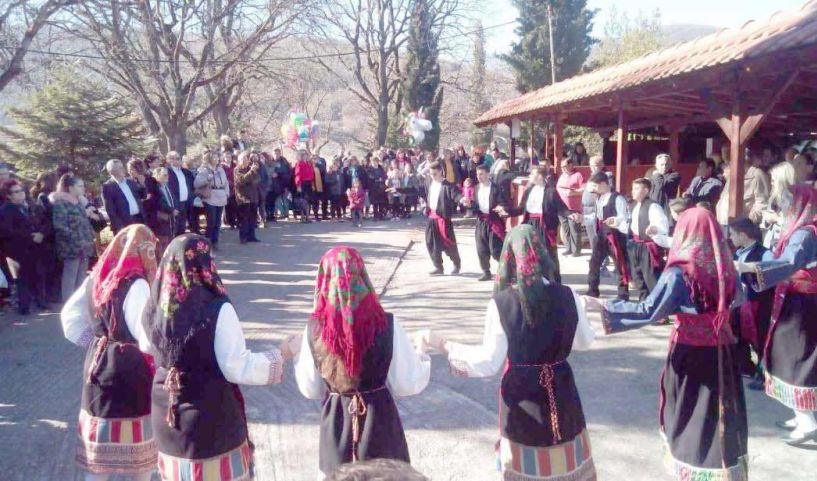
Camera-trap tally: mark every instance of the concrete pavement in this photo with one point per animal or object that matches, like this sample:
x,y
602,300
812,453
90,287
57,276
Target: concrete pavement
x,y
451,427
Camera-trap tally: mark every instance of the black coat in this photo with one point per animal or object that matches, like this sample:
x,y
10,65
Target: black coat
x,y
283,175
335,183
552,207
173,183
116,204
161,225
448,201
496,198
16,229
664,188
360,173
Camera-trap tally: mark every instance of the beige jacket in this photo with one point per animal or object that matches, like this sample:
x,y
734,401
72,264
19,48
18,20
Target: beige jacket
x,y
756,188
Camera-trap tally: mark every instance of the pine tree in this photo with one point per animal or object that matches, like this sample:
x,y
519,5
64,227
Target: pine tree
x,y
530,56
421,85
479,104
73,121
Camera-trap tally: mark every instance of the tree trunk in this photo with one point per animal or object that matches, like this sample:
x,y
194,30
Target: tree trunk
x,y
382,122
221,116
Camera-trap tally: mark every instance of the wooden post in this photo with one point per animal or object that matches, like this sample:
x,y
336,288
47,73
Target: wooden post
x,y
674,143
558,141
547,152
737,161
622,149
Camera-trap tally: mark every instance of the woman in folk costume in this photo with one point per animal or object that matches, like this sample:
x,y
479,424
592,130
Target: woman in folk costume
x,y
533,323
104,315
356,356
791,348
197,341
702,408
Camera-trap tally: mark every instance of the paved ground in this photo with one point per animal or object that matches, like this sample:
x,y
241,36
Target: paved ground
x,y
451,427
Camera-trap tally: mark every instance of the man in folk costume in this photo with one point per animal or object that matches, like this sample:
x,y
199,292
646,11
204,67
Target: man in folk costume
x,y
104,315
791,349
645,256
443,198
198,410
754,314
490,228
356,357
531,327
702,413
541,206
611,218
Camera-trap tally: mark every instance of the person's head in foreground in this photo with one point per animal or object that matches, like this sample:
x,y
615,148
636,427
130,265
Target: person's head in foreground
x,y
699,249
599,183
377,470
186,283
436,171
799,209
347,317
523,263
131,253
641,189
743,232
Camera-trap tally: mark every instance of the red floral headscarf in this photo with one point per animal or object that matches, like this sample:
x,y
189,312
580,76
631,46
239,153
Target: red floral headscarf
x,y
346,307
699,249
131,252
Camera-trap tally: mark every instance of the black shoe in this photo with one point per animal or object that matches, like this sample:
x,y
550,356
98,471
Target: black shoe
x,y
24,312
456,271
436,272
485,277
623,297
758,383
590,293
782,425
797,441
576,254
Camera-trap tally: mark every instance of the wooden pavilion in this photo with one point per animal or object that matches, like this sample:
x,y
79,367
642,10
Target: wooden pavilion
x,y
759,80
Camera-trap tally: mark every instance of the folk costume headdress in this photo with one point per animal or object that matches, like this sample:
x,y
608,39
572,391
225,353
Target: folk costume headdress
x,y
347,310
132,252
802,214
523,263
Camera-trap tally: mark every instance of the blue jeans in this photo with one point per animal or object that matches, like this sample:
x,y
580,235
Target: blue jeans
x,y
213,214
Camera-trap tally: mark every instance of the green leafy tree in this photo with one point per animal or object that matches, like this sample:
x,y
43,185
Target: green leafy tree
x,y
628,38
479,102
421,84
73,121
530,57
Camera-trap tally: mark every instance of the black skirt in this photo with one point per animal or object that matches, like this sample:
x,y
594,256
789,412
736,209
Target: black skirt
x,y
791,353
701,441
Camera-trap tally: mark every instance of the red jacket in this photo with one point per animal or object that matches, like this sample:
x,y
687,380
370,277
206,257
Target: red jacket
x,y
356,198
304,172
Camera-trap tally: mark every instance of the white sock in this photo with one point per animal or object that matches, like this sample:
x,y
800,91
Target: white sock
x,y
96,477
806,422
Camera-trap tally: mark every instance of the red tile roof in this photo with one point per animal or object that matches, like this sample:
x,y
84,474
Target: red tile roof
x,y
781,31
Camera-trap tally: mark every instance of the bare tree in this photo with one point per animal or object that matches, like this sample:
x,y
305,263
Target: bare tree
x,y
166,52
20,22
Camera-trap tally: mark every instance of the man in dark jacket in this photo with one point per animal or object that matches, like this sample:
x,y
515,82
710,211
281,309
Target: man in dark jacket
x,y
665,183
280,175
180,181
121,199
335,186
22,233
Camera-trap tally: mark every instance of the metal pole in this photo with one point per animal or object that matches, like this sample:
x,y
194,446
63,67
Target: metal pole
x,y
550,33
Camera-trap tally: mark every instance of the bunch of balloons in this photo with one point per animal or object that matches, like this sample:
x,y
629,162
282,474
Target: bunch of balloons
x,y
418,125
298,127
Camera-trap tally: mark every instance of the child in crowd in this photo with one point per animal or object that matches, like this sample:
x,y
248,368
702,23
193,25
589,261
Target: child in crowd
x,y
468,193
357,197
411,188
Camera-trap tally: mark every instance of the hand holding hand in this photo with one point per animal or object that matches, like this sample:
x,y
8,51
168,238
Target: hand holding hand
x,y
593,303
610,221
37,237
576,217
290,347
420,340
437,342
651,230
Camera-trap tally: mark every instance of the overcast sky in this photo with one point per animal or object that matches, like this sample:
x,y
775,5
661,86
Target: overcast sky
x,y
720,13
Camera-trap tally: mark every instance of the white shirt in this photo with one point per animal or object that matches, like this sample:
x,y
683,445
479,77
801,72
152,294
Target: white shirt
x,y
434,194
409,370
182,183
535,200
663,240
133,206
488,358
484,198
621,211
657,217
238,364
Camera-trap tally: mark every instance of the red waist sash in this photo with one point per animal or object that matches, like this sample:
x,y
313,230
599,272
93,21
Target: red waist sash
x,y
496,225
618,253
656,252
700,330
440,221
550,234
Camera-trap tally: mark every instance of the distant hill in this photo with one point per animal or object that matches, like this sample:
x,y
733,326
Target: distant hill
x,y
684,32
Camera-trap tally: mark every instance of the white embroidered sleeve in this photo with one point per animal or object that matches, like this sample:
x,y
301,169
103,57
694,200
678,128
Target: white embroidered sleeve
x,y
658,218
75,316
585,335
409,371
306,375
134,305
482,360
238,364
